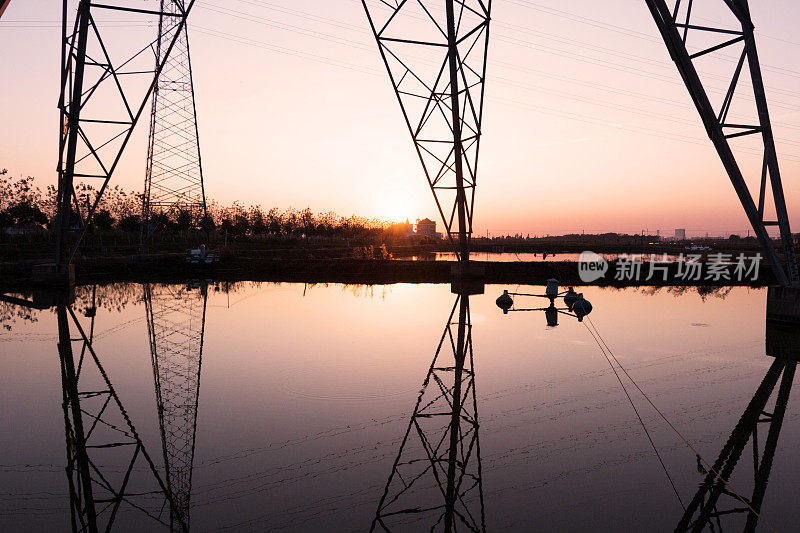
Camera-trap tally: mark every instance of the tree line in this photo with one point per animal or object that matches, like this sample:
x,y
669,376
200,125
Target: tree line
x,y
24,204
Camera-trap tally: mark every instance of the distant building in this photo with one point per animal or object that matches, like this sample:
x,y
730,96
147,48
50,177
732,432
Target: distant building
x,y
680,234
426,227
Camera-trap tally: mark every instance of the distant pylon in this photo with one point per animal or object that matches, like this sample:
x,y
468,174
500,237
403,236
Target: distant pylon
x,y
435,53
174,175
176,325
436,477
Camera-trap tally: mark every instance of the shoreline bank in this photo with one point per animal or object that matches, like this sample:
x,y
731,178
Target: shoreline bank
x,y
175,268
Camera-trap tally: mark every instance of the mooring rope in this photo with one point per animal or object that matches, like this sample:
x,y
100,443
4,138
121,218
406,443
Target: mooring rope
x,y
674,429
635,410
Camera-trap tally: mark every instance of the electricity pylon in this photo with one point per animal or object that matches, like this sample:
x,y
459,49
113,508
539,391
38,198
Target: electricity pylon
x,y
105,83
436,477
176,325
435,53
706,509
173,183
108,468
740,113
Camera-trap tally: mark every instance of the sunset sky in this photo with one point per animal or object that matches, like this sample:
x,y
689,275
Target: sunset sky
x,y
587,125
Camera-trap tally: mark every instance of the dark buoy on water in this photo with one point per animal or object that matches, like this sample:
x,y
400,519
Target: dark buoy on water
x,y
570,298
551,315
581,307
551,289
504,302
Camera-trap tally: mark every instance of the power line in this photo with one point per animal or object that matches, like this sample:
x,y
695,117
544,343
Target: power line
x,y
503,101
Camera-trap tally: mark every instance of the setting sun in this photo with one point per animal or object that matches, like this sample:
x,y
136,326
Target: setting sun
x,y
396,208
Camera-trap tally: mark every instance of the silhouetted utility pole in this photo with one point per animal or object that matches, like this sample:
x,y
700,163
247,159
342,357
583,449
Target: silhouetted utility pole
x,y
173,182
94,133
442,104
676,27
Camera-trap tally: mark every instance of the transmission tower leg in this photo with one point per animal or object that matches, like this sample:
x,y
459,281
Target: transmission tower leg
x,y
73,65
675,27
704,508
461,197
81,498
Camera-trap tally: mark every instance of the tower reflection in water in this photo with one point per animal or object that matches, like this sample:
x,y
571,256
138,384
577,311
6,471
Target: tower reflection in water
x,y
176,317
109,469
716,503
435,480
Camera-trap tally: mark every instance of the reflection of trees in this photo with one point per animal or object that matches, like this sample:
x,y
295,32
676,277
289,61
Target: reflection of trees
x,y
115,297
111,297
11,313
436,477
704,291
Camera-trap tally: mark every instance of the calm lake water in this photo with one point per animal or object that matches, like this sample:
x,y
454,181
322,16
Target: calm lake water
x,y
318,409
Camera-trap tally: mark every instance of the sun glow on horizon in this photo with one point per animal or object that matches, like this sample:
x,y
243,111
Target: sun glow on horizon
x,y
396,209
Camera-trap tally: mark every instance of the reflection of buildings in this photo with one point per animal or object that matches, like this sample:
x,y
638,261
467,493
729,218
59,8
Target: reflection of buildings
x,y
436,477
715,503
175,324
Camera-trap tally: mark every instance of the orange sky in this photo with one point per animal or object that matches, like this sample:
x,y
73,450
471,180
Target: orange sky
x,y
586,123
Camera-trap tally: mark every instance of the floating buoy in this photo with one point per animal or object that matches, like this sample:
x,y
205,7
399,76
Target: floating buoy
x,y
504,302
551,315
581,307
570,298
551,291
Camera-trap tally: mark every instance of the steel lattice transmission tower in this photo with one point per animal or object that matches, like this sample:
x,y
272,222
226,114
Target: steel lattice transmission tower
x,y
737,121
176,325
436,477
435,53
174,175
106,80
